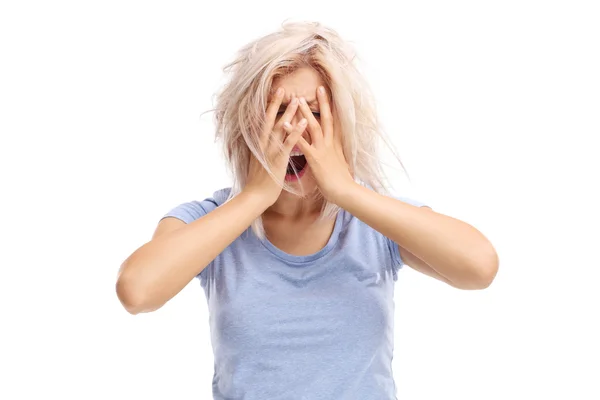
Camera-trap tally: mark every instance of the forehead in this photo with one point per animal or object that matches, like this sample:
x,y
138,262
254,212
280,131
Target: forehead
x,y
301,83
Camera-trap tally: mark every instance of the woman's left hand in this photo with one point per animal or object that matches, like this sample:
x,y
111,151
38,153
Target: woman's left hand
x,y
325,155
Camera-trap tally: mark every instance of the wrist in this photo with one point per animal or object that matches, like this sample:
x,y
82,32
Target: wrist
x,y
343,195
256,199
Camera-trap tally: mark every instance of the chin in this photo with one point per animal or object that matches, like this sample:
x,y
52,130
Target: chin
x,y
309,185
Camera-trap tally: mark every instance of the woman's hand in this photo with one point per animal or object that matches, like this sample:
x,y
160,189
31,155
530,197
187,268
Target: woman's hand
x,y
325,154
259,180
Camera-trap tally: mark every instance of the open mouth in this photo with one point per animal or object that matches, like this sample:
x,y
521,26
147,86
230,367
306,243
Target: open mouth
x,y
299,163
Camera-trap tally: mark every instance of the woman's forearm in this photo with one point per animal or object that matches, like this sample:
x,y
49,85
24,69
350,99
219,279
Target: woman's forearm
x,y
453,248
161,268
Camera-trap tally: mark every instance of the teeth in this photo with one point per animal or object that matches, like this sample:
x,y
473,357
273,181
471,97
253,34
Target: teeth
x,y
296,153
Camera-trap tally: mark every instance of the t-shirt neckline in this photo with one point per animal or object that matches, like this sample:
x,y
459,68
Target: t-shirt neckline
x,y
310,257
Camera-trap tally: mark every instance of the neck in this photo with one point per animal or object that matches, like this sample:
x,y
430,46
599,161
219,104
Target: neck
x,y
289,205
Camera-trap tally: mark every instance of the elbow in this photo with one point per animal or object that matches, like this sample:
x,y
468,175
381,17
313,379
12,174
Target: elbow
x,y
481,282
481,275
489,269
132,297
485,272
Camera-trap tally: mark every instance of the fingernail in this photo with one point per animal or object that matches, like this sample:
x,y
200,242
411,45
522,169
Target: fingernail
x,y
321,90
303,121
279,91
294,101
302,100
287,124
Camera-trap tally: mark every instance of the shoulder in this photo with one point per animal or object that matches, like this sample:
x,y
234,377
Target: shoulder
x,y
192,210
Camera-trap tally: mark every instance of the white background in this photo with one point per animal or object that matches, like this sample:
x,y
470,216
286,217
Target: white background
x,y
493,105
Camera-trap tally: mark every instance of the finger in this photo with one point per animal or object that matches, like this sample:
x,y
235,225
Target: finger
x,y
295,134
271,115
326,116
313,125
294,130
287,116
305,147
336,135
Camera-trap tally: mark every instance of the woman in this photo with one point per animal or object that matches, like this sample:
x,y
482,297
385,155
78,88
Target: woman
x,y
299,257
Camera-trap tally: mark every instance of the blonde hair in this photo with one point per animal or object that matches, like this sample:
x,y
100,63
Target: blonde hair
x,y
241,103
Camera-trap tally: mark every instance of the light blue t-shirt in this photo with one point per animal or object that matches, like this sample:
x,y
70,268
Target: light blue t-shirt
x,y
315,327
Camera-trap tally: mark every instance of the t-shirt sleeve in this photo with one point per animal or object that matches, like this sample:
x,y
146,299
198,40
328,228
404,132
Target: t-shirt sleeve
x,y
393,247
189,212
192,210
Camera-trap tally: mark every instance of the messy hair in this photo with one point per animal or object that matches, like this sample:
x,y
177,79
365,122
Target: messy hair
x,y
241,104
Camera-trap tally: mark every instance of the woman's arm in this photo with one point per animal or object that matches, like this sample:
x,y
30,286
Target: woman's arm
x,y
161,268
452,248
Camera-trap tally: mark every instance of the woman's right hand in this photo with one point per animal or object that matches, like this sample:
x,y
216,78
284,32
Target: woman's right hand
x,y
259,181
